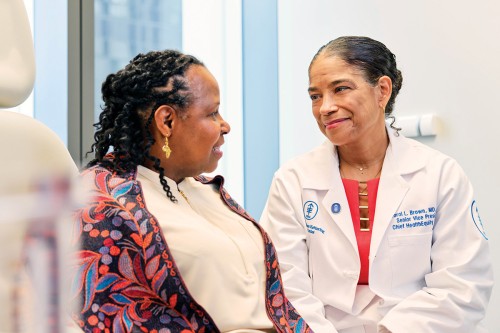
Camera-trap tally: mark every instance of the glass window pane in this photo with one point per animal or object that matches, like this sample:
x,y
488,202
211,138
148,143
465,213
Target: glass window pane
x,y
124,28
209,30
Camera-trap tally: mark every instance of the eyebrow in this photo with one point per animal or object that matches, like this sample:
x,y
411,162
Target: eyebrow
x,y
331,84
213,106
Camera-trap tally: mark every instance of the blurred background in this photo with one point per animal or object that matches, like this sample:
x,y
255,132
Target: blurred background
x,y
259,51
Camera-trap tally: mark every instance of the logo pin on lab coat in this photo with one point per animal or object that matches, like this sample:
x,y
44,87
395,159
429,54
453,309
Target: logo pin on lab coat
x,y
336,208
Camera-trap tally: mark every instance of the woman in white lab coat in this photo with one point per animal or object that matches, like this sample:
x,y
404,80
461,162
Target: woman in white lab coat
x,y
375,232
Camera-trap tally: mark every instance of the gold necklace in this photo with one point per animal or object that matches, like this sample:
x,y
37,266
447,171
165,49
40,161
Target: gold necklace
x,y
361,169
183,195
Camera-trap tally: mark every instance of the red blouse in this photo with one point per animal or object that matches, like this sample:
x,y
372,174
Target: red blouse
x,y
363,237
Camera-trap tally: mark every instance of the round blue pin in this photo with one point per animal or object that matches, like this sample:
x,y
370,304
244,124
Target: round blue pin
x,y
336,208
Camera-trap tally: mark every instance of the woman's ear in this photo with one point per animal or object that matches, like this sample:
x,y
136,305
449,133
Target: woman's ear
x,y
385,87
164,117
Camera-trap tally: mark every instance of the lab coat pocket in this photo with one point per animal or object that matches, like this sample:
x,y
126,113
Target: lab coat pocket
x,y
410,257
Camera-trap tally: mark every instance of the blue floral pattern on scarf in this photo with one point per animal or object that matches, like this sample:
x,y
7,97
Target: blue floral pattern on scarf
x,y
126,278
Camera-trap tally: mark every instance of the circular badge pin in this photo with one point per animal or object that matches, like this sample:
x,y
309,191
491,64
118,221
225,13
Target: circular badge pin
x,y
310,210
336,208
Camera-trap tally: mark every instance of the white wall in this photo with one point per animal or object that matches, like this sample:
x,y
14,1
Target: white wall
x,y
211,31
449,53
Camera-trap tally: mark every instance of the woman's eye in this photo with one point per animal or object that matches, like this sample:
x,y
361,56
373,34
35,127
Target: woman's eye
x,y
214,114
340,89
314,97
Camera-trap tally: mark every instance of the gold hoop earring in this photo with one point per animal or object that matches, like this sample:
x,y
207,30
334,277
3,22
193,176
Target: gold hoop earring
x,y
166,148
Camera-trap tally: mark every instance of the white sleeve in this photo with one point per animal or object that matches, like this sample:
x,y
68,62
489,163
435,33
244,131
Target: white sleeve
x,y
459,286
282,221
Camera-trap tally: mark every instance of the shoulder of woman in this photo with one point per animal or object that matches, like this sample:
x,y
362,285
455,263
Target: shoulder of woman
x,y
411,154
316,161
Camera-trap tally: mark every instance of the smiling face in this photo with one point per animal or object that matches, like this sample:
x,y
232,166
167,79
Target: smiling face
x,y
347,108
195,134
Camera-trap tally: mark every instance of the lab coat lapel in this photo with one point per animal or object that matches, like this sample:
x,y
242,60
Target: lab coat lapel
x,y
400,159
323,175
336,196
391,192
343,219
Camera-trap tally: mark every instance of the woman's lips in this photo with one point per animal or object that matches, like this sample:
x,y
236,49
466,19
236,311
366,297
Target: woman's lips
x,y
335,123
217,151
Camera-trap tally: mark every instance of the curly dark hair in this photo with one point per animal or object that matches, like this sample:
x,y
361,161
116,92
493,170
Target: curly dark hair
x,y
372,57
130,96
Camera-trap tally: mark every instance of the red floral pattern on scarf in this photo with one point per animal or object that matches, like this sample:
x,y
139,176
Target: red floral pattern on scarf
x,y
127,279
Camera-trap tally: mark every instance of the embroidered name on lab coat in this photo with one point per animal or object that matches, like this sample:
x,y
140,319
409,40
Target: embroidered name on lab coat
x,y
312,229
414,218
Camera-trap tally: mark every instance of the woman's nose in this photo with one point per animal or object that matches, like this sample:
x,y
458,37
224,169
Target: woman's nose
x,y
225,127
328,106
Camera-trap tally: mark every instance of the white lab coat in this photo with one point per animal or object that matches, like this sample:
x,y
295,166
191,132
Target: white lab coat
x,y
430,267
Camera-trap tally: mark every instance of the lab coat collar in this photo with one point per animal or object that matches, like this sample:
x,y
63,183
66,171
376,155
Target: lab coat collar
x,y
402,154
402,157
318,166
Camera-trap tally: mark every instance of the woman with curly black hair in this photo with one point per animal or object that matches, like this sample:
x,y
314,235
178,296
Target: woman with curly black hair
x,y
163,248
